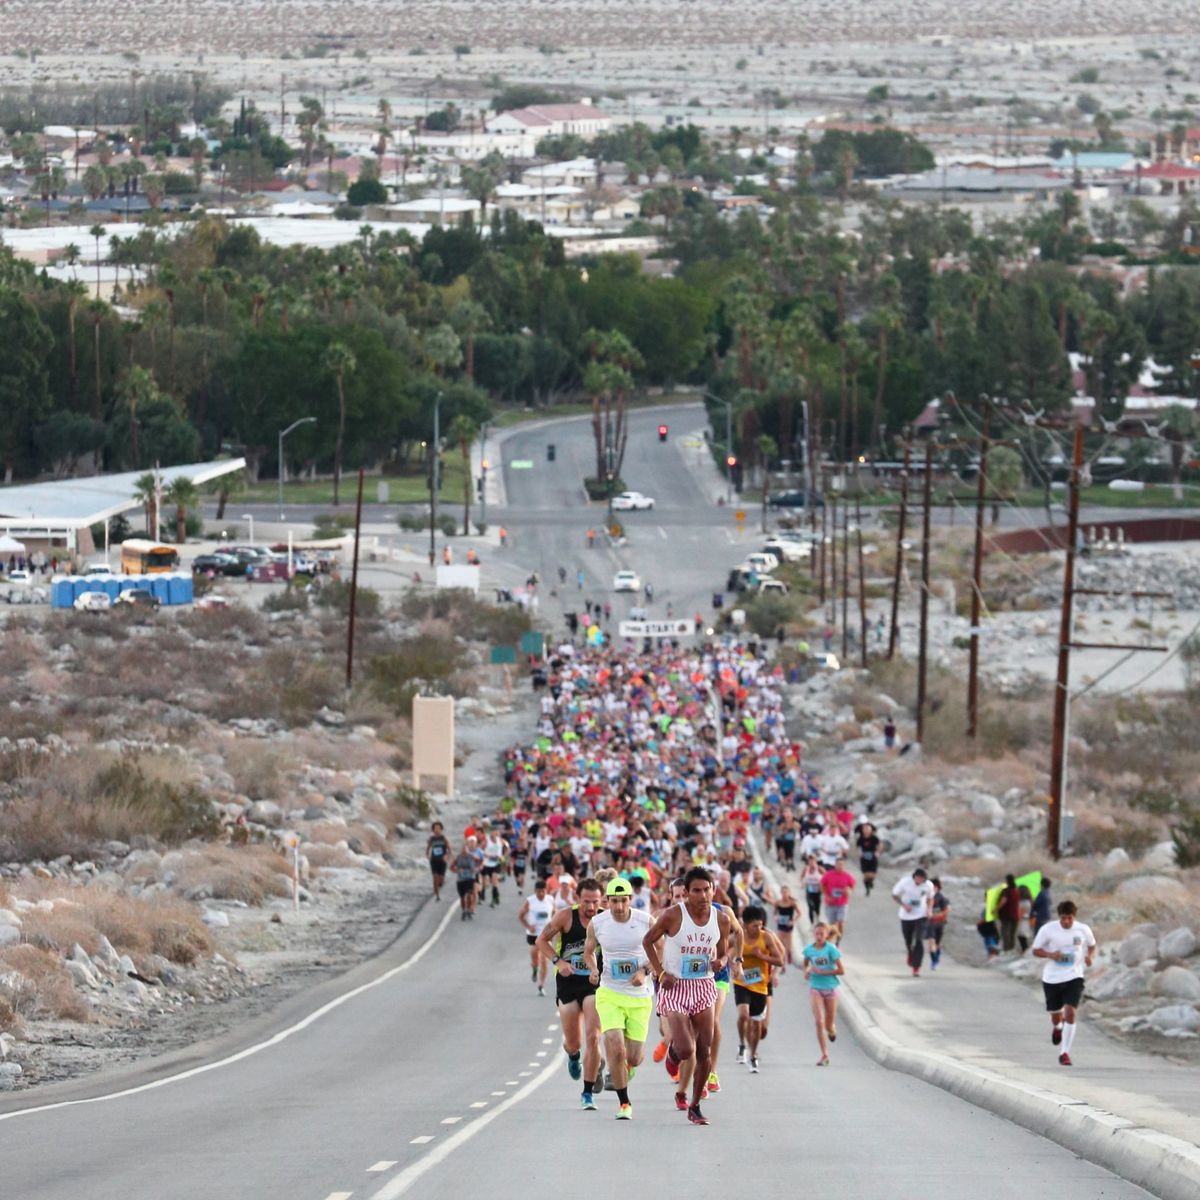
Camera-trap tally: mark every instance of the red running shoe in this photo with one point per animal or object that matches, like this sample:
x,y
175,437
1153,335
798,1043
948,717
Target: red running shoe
x,y
660,1051
1064,1059
696,1116
681,1101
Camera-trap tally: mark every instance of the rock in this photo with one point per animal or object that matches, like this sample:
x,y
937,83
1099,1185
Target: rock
x,y
1179,943
9,1074
1120,983
931,848
135,991
988,808
899,841
1137,948
81,956
964,849
327,716
8,917
1111,916
1177,982
265,812
1175,1016
1118,856
125,965
215,919
1160,856
81,976
1152,889
989,850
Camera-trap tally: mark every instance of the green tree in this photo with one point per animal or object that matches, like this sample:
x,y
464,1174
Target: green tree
x,y
24,381
339,361
1005,476
185,496
463,431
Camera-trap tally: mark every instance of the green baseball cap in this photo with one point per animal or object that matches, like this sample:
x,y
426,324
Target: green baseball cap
x,y
619,887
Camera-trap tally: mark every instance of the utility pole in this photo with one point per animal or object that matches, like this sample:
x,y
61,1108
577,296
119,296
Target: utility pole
x,y
354,584
862,583
899,568
845,580
1062,697
434,481
981,486
824,512
833,532
922,655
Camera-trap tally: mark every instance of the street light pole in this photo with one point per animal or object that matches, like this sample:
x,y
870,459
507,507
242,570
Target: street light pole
x,y
483,470
608,466
282,434
250,517
433,478
728,443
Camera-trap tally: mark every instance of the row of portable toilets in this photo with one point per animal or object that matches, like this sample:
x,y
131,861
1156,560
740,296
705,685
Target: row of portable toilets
x,y
170,589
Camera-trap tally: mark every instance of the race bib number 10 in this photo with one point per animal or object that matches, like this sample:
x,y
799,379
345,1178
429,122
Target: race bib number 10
x,y
624,968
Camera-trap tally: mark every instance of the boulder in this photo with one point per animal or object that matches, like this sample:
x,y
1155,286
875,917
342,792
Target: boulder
x,y
215,919
1160,856
899,841
988,808
989,850
1175,1016
1137,948
8,917
9,1074
1120,983
1118,856
81,976
1179,943
10,935
264,812
1152,889
1177,982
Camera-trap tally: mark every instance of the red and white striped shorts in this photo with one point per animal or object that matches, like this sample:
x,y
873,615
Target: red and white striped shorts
x,y
687,996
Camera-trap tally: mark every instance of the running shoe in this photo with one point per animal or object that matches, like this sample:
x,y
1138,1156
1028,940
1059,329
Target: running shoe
x,y
681,1101
533,975
741,1055
823,1061
704,1092
608,1083
1056,1036
574,1066
587,1103
632,1072
696,1116
754,1064
714,1084
916,972
660,1051
625,1112
1064,1059
672,1064
541,990
832,1032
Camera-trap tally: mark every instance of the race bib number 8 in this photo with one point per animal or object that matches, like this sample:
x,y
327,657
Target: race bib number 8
x,y
694,966
624,968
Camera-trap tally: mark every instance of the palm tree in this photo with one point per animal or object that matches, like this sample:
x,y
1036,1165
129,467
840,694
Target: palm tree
x,y
184,494
339,361
464,431
98,309
468,318
95,181
137,388
767,450
76,291
145,491
97,231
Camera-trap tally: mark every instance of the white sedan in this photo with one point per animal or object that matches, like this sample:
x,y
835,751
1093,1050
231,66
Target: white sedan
x,y
93,602
628,501
626,581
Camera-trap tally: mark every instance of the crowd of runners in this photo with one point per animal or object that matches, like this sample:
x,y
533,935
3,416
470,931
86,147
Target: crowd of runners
x,y
625,827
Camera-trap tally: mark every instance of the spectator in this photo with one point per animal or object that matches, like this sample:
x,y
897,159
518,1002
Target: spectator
x,y
889,733
1042,908
1008,911
1024,933
989,933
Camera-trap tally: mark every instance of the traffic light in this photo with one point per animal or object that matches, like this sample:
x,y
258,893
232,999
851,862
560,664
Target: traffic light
x,y
734,469
479,487
662,433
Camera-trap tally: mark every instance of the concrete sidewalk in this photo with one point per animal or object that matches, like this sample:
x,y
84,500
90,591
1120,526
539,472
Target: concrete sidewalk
x,y
985,1036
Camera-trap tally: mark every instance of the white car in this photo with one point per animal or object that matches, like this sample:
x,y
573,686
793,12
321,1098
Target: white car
x,y
214,600
98,568
760,563
93,602
18,578
825,660
792,551
628,501
772,585
626,581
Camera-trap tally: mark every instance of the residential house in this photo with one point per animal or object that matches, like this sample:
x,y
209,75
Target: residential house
x,y
552,120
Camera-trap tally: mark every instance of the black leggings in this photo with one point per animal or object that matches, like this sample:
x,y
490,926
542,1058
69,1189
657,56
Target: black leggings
x,y
914,939
814,904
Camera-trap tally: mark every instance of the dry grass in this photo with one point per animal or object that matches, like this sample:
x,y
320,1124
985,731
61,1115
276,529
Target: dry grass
x,y
35,985
257,767
136,926
247,873
329,856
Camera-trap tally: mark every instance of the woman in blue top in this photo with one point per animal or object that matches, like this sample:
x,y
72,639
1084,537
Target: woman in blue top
x,y
822,968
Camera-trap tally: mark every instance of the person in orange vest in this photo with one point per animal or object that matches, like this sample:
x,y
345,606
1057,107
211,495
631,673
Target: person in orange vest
x,y
472,558
503,536
591,537
447,555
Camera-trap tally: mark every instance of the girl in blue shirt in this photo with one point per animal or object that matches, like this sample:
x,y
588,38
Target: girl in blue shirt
x,y
823,968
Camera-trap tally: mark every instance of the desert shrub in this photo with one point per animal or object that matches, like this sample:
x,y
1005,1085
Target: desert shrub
x,y
170,812
9,1021
35,983
1100,828
331,525
250,874
424,663
335,595
329,856
286,685
1186,838
256,767
290,600
469,616
407,803
219,623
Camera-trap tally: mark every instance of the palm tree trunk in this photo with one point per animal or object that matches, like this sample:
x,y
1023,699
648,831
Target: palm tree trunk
x,y
877,412
466,455
337,450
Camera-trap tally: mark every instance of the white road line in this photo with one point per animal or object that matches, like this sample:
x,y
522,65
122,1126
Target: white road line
x,y
479,1103
422,1140
399,1184
662,533
547,1041
250,1051
552,1028
339,1196
500,1093
540,1054
385,1164
511,1083
451,1120
523,1074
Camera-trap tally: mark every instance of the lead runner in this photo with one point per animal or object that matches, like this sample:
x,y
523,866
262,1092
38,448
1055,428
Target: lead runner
x,y
696,945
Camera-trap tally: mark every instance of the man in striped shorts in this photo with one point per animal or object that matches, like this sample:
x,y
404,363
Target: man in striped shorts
x,y
695,938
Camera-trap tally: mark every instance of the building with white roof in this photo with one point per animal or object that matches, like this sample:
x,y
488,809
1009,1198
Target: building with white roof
x,y
553,120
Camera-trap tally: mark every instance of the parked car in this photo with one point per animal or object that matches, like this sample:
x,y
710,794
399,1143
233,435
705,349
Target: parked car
x,y
793,500
18,578
761,562
214,600
137,598
627,501
787,549
98,568
772,585
219,563
626,581
93,602
825,660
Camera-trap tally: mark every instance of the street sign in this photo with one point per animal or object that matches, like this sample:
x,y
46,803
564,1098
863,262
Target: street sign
x,y
656,629
521,464
531,642
739,516
502,655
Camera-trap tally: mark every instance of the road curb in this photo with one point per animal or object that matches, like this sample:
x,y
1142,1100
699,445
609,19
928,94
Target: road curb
x,y
1164,1165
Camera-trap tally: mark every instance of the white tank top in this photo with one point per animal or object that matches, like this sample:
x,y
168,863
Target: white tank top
x,y
623,952
540,911
690,952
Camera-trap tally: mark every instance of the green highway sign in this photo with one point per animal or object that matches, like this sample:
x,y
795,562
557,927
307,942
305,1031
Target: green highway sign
x,y
521,464
502,655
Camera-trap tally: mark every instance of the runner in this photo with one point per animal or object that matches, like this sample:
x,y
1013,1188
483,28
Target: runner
x,y
836,886
1069,947
493,856
437,850
812,886
696,940
785,919
868,854
624,996
676,894
535,913
721,981
760,952
935,926
561,941
466,870
914,893
519,860
822,968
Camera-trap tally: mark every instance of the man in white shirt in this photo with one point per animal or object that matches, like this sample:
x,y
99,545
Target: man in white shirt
x,y
914,893
1069,947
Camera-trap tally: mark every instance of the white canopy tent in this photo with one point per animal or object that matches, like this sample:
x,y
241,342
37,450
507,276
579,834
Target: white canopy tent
x,y
10,545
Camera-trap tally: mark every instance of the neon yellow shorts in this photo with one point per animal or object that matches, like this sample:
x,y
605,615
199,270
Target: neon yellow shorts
x,y
628,1013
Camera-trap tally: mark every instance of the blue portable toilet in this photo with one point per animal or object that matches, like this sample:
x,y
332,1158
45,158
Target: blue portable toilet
x,y
78,587
111,586
126,582
62,594
179,588
160,587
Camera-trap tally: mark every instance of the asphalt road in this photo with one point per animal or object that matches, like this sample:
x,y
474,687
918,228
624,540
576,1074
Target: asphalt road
x,y
443,1076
